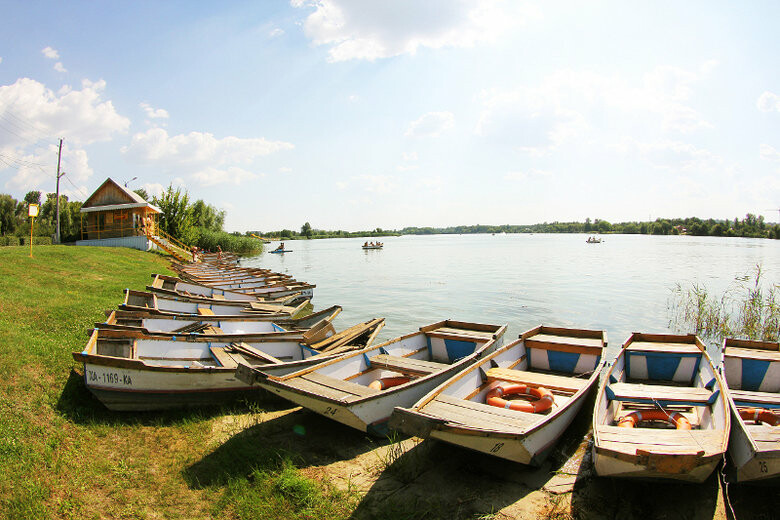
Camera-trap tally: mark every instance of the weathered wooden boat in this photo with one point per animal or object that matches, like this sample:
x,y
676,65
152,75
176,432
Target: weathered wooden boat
x,y
361,389
157,303
133,371
153,323
257,285
174,286
554,367
661,411
752,373
373,247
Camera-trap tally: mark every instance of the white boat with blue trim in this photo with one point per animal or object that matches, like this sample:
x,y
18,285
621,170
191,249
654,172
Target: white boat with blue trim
x,y
152,323
555,367
661,411
133,371
195,306
361,389
752,373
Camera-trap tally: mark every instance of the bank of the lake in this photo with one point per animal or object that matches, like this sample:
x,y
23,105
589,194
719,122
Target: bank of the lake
x,y
63,455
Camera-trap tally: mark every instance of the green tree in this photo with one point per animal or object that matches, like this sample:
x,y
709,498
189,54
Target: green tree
x,y
207,216
176,218
7,214
306,230
142,193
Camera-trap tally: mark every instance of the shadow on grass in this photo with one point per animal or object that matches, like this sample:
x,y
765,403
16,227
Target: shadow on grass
x,y
77,404
302,437
601,497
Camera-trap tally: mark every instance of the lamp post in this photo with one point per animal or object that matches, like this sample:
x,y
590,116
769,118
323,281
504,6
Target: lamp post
x,y
32,211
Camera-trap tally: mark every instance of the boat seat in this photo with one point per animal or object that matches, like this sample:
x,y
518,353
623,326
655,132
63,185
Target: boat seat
x,y
757,399
222,357
657,440
203,311
405,365
662,394
549,381
750,353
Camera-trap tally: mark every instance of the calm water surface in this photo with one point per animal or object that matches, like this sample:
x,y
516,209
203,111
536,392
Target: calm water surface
x,y
621,285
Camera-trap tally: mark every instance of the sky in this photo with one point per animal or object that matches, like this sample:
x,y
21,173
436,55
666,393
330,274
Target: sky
x,y
358,114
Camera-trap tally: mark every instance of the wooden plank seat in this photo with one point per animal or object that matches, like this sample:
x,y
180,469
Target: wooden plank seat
x,y
662,394
660,440
406,365
757,399
479,415
550,381
752,353
222,357
204,311
565,343
332,387
465,334
767,437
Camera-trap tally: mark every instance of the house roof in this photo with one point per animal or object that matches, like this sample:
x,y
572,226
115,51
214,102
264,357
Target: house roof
x,y
133,200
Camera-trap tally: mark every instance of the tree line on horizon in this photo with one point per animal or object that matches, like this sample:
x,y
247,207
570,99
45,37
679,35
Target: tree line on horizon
x,y
751,226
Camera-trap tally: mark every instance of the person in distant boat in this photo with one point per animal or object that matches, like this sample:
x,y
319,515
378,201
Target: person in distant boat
x,y
365,244
281,247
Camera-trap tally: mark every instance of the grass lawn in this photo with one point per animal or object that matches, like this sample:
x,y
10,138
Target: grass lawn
x,y
64,455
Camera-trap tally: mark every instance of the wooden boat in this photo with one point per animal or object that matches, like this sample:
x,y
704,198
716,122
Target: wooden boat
x,y
252,284
752,374
133,371
661,411
373,247
152,323
161,304
361,389
174,286
593,240
558,366
281,251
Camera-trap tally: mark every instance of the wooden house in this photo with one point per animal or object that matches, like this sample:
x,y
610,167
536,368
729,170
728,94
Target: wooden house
x,y
115,216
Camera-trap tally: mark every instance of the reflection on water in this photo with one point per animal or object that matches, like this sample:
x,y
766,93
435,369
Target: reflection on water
x,y
621,285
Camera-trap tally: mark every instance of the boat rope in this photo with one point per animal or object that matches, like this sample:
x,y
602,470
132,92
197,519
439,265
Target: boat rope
x,y
725,487
669,417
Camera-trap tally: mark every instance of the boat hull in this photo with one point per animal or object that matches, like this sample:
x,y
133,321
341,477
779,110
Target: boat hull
x,y
130,389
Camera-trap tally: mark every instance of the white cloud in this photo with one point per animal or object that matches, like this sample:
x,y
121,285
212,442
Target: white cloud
x,y
577,107
768,102
153,189
213,160
373,29
275,33
232,175
59,67
36,170
1,59
285,169
79,116
154,113
156,146
432,124
769,153
521,176
375,183
674,155
50,53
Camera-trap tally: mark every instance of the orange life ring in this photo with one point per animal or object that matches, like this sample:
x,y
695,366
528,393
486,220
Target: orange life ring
x,y
388,382
759,415
634,418
544,398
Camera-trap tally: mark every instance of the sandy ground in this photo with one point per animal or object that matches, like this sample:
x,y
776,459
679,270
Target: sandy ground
x,y
409,478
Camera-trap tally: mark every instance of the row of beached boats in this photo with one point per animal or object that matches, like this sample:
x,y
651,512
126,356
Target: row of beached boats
x,y
663,410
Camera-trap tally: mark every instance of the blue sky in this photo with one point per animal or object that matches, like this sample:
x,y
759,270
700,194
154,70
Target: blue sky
x,y
356,114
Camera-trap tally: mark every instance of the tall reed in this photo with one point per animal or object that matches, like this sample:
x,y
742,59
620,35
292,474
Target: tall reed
x,y
748,309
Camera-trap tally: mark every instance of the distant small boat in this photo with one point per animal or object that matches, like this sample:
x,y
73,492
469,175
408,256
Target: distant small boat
x,y
281,251
560,365
752,373
593,240
661,411
361,389
374,247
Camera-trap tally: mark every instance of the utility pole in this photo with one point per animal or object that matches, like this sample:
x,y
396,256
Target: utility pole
x,y
59,159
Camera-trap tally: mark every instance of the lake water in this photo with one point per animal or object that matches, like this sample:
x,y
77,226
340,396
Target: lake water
x,y
621,285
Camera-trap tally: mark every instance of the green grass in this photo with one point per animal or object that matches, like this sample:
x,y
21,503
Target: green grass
x,y
63,455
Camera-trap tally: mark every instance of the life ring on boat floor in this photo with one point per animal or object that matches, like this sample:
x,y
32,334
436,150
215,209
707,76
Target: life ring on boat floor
x,y
759,415
388,382
634,418
544,398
